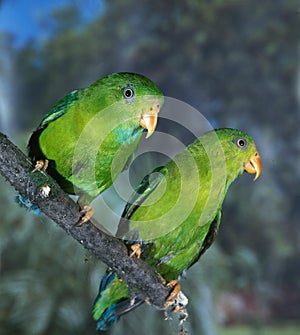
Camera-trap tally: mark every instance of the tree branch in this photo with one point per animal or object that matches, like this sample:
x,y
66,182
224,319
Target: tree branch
x,y
16,169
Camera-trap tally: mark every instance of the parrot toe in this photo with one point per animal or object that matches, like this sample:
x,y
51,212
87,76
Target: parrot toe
x,y
173,296
87,212
40,165
136,250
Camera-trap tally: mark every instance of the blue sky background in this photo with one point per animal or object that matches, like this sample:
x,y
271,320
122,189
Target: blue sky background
x,y
22,17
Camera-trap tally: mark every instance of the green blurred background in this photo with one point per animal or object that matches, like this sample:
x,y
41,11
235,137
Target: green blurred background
x,y
237,62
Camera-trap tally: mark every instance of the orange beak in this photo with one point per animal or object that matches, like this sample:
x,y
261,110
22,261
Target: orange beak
x,y
254,165
149,120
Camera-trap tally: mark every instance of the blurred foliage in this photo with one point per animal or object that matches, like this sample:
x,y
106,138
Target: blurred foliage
x,y
235,61
287,330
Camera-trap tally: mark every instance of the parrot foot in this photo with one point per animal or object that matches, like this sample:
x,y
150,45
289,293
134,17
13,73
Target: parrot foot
x,y
87,212
40,165
136,250
172,298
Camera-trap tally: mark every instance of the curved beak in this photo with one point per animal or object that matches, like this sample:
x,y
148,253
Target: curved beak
x,y
149,120
254,165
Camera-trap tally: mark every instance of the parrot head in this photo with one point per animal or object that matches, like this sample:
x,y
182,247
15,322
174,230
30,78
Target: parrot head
x,y
142,98
240,152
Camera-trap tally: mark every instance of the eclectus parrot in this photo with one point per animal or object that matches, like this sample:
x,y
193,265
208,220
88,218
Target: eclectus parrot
x,y
175,213
90,135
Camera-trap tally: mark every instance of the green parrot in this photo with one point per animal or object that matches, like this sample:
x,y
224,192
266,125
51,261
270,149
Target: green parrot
x,y
175,213
89,136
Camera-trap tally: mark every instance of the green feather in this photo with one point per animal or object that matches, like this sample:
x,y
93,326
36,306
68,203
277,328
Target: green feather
x,y
183,205
176,212
90,134
60,108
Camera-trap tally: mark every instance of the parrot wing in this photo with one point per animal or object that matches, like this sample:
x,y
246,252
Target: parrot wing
x,y
209,238
59,109
142,192
34,151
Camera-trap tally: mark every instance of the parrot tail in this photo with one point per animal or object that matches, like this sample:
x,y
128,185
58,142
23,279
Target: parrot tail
x,y
112,301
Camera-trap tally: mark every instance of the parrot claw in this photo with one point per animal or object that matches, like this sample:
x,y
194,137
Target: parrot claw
x,y
40,165
87,212
136,250
173,296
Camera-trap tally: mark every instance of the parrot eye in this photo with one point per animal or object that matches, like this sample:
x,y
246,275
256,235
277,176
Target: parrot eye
x,y
128,93
241,143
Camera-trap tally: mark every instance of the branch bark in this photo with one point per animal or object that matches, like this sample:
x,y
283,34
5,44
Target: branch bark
x,y
16,168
